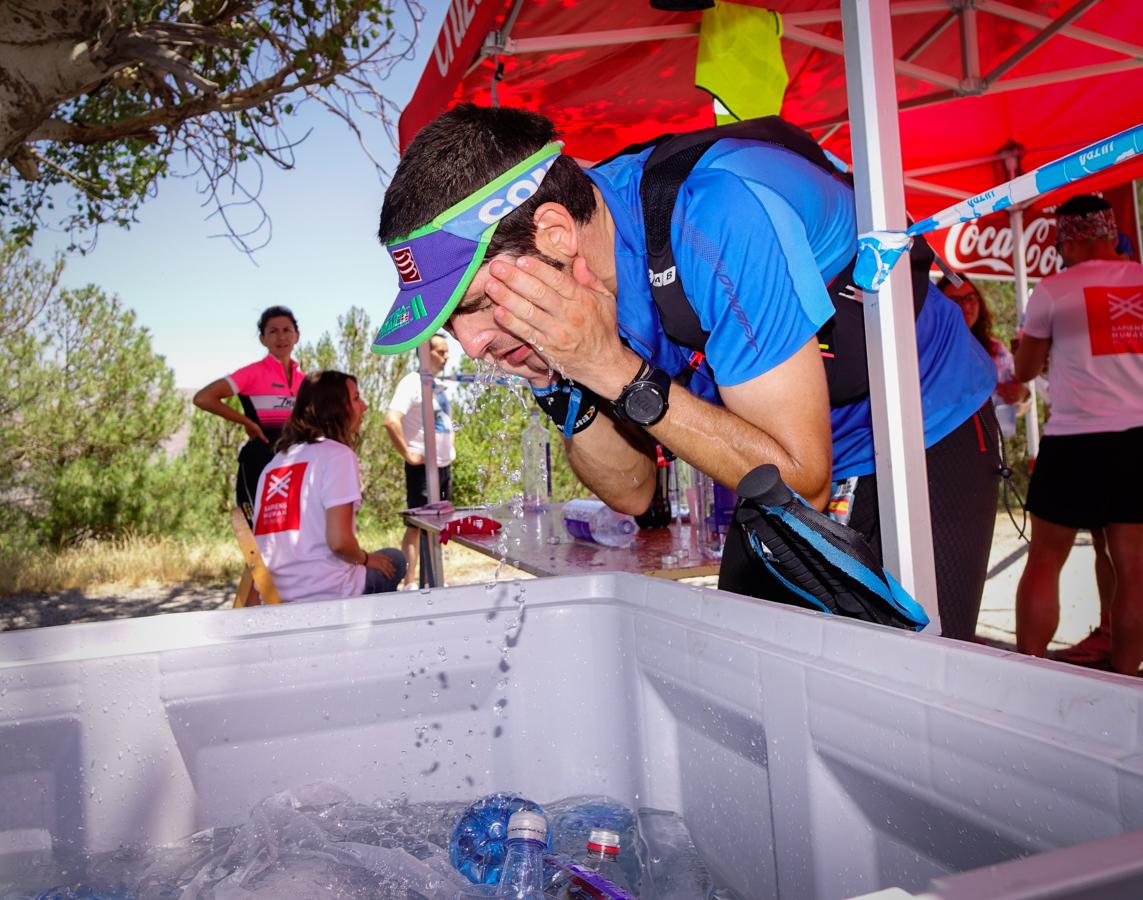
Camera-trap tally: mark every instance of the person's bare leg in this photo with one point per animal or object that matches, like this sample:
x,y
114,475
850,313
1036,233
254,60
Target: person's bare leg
x,y
1038,594
410,543
1095,649
1104,578
1125,544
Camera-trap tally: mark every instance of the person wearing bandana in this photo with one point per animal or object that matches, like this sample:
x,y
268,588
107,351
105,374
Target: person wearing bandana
x,y
1089,319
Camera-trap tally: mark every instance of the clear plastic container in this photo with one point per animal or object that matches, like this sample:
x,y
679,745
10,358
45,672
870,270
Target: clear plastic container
x,y
711,514
601,857
536,464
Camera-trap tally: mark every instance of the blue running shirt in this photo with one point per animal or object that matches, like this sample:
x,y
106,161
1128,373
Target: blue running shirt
x,y
757,233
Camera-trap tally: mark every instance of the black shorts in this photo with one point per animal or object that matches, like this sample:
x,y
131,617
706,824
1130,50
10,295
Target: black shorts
x,y
253,457
417,485
1088,480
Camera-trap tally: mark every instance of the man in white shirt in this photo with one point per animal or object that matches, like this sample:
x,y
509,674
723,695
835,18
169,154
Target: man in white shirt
x,y
405,425
1090,318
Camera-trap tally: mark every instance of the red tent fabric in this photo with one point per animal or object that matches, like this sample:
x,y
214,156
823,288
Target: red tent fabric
x,y
608,96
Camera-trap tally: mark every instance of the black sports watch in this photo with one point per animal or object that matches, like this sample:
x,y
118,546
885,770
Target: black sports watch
x,y
644,400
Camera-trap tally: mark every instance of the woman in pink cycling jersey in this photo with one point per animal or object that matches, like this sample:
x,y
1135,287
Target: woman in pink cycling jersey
x,y
266,390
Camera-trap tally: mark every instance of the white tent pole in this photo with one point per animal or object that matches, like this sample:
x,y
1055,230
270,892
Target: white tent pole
x,y
428,420
430,547
895,392
1020,279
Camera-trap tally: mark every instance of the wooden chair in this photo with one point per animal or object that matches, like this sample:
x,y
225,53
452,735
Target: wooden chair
x,y
257,585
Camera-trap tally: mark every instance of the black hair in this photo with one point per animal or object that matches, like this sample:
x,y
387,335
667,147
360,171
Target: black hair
x,y
273,312
1082,205
464,149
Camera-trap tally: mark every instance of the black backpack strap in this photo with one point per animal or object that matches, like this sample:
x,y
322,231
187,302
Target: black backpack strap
x,y
674,157
664,172
663,175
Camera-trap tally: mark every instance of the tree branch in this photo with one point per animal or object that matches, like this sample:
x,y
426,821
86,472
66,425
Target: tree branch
x,y
89,186
203,104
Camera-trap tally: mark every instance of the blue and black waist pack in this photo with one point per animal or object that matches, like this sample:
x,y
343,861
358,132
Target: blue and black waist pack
x,y
814,561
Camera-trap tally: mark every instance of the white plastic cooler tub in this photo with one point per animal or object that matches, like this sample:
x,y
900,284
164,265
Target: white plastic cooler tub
x,y
811,757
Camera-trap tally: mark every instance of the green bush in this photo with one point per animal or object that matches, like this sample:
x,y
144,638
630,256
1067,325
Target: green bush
x,y
87,404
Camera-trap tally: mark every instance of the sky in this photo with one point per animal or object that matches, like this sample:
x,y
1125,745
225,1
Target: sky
x,y
200,297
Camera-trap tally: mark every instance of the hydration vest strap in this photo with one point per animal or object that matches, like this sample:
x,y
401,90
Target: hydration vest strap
x,y
665,170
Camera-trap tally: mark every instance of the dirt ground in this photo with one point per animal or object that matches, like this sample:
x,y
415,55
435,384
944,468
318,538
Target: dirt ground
x,y
1079,611
462,566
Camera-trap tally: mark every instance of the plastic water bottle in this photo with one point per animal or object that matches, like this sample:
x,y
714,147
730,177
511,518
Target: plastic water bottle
x,y
675,869
536,454
594,521
602,858
715,512
522,877
478,843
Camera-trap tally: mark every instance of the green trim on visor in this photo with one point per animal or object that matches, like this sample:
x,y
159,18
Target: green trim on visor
x,y
453,300
439,222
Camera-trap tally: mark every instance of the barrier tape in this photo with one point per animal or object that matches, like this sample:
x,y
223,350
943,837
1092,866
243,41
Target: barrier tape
x,y
877,251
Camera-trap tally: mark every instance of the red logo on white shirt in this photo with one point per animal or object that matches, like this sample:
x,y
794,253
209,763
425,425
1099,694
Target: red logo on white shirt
x,y
280,508
1114,320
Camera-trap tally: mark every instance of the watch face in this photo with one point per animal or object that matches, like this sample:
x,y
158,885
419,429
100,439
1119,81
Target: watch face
x,y
644,404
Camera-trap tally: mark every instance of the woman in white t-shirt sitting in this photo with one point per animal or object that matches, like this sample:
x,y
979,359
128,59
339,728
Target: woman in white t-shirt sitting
x,y
308,497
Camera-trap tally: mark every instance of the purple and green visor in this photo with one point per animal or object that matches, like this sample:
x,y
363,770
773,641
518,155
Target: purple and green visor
x,y
437,262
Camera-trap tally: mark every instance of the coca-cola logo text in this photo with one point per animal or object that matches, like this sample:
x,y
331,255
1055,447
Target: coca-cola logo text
x,y
981,247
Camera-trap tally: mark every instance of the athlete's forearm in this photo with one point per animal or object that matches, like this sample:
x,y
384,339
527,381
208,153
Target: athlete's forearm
x,y
218,408
607,462
725,446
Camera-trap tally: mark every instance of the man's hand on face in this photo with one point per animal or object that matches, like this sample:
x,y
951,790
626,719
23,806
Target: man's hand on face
x,y
569,318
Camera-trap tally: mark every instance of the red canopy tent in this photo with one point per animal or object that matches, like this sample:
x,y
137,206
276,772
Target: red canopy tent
x,y
986,89
1029,79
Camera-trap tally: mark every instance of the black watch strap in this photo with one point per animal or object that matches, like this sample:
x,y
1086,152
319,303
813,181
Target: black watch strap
x,y
644,369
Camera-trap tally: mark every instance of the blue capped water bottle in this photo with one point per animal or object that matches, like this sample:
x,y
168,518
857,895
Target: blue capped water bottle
x,y
479,838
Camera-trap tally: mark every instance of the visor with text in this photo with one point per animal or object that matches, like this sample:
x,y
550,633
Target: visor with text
x,y
437,262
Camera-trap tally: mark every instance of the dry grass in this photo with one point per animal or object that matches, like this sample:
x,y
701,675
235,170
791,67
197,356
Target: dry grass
x,y
465,566
128,562
137,561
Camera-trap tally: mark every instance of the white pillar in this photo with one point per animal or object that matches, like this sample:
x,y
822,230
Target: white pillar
x,y
428,420
432,476
1020,279
895,392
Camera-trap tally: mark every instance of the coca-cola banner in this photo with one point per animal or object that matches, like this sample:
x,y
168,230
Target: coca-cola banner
x,y
982,248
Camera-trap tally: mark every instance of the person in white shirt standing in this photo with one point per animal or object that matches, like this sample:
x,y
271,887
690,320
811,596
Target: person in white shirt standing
x,y
308,496
405,424
1090,319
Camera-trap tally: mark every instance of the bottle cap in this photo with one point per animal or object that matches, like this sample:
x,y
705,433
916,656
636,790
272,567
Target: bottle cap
x,y
603,841
527,826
